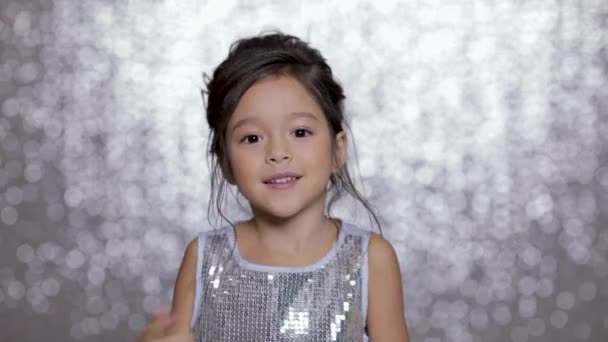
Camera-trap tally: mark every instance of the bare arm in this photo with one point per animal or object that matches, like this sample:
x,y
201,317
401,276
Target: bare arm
x,y
183,294
385,312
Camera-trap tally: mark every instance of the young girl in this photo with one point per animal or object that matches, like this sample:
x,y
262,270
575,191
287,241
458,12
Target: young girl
x,y
291,272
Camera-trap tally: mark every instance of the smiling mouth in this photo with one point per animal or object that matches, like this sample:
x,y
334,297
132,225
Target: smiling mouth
x,y
283,180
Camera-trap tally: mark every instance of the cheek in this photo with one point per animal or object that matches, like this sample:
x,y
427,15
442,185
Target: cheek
x,y
243,163
320,156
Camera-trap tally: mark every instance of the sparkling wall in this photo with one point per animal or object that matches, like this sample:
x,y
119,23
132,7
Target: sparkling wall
x,y
481,130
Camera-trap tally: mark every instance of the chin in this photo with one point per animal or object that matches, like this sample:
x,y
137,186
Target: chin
x,y
283,207
280,214
284,210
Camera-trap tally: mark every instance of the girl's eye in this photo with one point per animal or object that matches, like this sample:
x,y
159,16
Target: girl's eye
x,y
302,132
250,139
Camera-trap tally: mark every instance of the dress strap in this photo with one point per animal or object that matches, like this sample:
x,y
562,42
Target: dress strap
x,y
201,240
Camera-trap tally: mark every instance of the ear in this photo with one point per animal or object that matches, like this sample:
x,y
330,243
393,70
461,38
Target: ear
x,y
341,152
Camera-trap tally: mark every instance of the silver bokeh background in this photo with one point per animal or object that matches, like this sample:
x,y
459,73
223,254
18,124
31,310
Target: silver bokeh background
x,y
481,130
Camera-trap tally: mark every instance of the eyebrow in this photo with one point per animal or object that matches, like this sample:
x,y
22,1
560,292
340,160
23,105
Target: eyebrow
x,y
293,114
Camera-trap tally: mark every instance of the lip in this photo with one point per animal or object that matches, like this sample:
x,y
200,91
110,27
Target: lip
x,y
282,186
281,175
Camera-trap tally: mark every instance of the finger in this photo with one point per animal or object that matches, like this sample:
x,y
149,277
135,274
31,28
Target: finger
x,y
180,338
157,328
162,311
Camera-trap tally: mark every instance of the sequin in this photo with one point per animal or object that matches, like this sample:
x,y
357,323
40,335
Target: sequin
x,y
242,301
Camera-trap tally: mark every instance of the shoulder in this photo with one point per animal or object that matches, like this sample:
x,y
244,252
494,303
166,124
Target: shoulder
x,y
197,244
191,251
187,271
215,232
381,252
184,290
385,312
355,230
189,260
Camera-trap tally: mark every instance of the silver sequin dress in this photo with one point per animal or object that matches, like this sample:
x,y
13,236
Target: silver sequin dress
x,y
236,300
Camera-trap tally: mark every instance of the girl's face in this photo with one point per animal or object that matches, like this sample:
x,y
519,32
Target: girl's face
x,y
278,127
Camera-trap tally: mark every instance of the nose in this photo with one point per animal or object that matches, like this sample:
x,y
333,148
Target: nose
x,y
277,158
277,152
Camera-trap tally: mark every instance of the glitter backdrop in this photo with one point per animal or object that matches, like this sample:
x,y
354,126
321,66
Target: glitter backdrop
x,y
481,131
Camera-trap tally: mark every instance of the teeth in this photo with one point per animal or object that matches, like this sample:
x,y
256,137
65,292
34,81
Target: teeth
x,y
282,180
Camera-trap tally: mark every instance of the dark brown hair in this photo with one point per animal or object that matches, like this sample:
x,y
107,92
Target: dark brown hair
x,y
250,60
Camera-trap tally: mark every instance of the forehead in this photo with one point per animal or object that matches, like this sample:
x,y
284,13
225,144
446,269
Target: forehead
x,y
276,99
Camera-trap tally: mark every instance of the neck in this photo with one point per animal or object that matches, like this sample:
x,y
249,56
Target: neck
x,y
294,233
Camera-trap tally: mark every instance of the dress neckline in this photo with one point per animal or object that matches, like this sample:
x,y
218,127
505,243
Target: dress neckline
x,y
285,269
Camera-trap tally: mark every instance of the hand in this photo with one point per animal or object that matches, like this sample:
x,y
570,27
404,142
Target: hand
x,y
159,329
182,338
